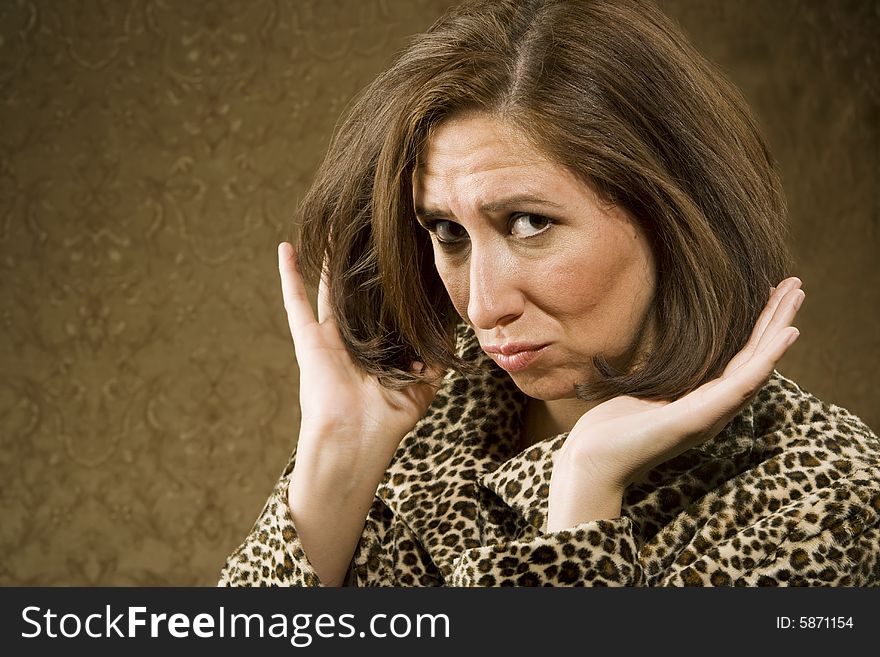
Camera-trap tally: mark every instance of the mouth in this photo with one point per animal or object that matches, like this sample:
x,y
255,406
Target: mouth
x,y
515,357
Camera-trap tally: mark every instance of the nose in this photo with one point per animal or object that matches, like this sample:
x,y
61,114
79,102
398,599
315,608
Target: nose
x,y
494,294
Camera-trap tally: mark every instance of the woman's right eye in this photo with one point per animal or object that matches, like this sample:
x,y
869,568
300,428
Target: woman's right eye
x,y
448,232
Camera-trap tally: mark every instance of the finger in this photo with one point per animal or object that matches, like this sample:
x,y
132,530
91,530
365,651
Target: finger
x,y
782,317
765,320
703,413
325,308
766,315
296,301
715,403
740,387
432,376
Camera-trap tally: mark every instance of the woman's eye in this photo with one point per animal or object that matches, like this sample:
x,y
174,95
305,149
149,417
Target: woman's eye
x,y
449,232
528,225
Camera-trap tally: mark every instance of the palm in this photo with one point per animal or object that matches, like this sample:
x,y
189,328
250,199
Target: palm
x,y
626,436
334,392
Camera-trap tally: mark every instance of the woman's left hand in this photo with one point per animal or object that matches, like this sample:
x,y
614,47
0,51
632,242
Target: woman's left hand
x,y
616,441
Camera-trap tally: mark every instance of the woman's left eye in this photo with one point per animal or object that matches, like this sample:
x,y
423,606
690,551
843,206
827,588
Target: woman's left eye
x,y
528,225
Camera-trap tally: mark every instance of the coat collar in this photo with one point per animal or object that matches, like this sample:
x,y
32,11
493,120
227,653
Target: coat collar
x,y
472,429
523,481
432,484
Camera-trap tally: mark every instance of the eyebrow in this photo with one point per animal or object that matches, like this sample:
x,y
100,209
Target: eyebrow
x,y
500,205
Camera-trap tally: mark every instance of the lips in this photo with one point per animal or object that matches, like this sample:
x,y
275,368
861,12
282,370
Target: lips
x,y
515,356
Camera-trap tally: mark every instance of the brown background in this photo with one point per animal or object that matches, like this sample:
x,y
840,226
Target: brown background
x,y
151,155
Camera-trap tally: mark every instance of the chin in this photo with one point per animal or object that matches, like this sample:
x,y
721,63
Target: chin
x,y
545,388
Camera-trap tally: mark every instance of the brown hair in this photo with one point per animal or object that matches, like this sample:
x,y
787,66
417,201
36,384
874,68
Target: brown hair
x,y
614,92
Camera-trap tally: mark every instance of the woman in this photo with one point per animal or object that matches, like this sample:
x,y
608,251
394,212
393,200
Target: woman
x,y
544,351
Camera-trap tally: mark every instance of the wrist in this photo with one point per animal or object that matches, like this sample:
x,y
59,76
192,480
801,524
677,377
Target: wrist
x,y
580,493
336,473
334,447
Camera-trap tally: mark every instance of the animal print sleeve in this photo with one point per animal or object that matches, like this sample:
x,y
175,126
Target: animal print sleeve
x,y
271,555
596,553
828,538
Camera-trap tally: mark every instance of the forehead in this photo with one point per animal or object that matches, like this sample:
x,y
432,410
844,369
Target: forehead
x,y
470,142
483,156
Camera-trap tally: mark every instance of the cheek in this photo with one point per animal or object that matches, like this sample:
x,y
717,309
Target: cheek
x,y
601,292
569,285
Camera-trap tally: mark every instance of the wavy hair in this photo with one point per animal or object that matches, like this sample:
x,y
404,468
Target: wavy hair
x,y
614,92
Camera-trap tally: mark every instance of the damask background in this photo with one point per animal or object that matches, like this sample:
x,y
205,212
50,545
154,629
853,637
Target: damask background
x,y
152,153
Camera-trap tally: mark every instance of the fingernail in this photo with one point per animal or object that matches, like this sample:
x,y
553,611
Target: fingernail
x,y
799,300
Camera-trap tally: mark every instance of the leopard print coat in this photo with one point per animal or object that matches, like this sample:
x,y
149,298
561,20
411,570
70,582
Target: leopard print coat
x,y
787,494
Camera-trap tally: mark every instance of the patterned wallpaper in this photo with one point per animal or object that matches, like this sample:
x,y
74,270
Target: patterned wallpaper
x,y
151,155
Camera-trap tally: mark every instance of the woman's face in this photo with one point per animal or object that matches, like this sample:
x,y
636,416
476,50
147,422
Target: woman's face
x,y
547,275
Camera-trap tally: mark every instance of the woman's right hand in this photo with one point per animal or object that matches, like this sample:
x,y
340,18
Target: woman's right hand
x,y
351,425
345,408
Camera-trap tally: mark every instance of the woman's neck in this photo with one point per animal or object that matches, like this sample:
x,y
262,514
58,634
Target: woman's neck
x,y
545,419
